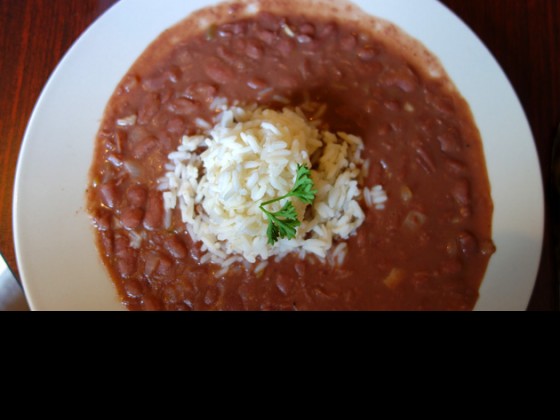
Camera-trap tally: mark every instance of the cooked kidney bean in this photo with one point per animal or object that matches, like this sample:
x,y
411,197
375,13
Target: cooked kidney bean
x,y
149,108
133,288
137,195
173,74
212,295
176,247
176,126
254,50
201,92
467,244
103,219
348,42
151,303
154,83
109,194
153,218
449,141
461,192
426,160
284,283
144,147
125,256
131,218
165,266
218,71
183,106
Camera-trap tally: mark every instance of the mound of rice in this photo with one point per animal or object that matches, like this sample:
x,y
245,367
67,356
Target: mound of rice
x,y
251,155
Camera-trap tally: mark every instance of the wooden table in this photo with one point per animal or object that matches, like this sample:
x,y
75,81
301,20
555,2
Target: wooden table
x,y
523,35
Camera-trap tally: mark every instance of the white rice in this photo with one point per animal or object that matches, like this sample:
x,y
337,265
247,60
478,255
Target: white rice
x,y
375,197
251,155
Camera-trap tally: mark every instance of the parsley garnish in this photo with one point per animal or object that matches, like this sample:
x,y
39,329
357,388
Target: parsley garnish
x,y
283,223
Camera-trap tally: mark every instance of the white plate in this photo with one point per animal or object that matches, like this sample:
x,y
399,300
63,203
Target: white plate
x,y
55,247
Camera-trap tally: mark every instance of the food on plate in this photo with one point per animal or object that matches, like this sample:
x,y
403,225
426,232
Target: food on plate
x,y
256,159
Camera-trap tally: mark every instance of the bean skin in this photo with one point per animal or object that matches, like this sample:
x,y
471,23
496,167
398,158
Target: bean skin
x,y
183,106
102,219
133,288
284,284
151,303
165,266
125,256
144,147
461,192
153,218
201,92
176,247
467,244
219,71
149,108
154,83
109,194
131,218
137,196
254,50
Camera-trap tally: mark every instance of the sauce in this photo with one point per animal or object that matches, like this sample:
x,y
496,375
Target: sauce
x,y
428,249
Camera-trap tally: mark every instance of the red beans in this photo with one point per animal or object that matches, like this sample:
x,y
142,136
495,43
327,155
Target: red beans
x,y
425,160
254,50
257,83
137,196
284,283
126,266
467,244
131,218
102,219
149,108
109,194
173,74
367,53
442,103
348,43
133,288
455,167
461,192
285,46
176,126
402,78
165,266
154,83
183,106
125,256
151,303
130,82
449,141
266,36
328,30
218,71
153,218
212,295
176,247
144,147
307,29
300,269
201,92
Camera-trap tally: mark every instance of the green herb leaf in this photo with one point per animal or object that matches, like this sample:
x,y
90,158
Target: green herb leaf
x,y
303,187
283,223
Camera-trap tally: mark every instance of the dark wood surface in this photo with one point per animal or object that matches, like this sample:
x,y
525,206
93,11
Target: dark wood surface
x,y
523,35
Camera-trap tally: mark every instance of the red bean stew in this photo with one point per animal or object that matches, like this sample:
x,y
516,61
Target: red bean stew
x,y
428,249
